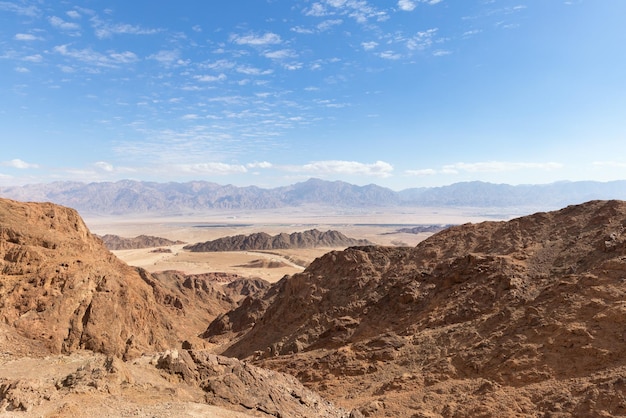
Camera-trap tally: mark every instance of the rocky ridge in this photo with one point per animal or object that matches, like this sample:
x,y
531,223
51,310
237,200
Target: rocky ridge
x,y
518,318
115,242
263,241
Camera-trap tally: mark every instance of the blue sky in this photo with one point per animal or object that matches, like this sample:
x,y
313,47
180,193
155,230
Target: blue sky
x,y
403,94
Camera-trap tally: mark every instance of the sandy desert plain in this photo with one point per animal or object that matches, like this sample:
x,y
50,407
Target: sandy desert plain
x,y
379,226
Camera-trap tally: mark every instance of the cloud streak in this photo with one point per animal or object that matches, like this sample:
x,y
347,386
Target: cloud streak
x,y
19,164
332,167
485,167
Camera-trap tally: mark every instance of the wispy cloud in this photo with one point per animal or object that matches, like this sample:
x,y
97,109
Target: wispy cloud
x,y
359,10
59,23
106,30
214,168
26,37
111,59
104,166
262,164
330,167
20,164
211,78
609,164
421,40
268,38
485,167
33,58
168,58
30,11
406,5
369,45
280,54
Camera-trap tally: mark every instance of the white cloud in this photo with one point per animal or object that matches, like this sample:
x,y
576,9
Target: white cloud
x,y
33,58
30,11
106,30
212,168
499,166
441,52
377,169
471,32
73,14
253,71
358,10
390,55
20,164
219,65
328,24
421,173
406,5
293,66
421,40
369,45
609,164
301,30
280,54
485,167
262,164
59,23
317,9
210,78
112,59
166,57
256,40
104,166
26,37
22,70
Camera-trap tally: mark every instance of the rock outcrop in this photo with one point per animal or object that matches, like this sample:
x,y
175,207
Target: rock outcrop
x,y
263,241
59,285
513,318
115,242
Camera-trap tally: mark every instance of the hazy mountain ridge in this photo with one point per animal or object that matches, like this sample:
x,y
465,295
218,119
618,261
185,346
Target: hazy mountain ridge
x,y
129,196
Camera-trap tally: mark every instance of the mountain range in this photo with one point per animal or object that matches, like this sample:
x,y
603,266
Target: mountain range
x,y
139,197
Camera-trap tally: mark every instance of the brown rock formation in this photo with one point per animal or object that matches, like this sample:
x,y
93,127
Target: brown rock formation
x,y
115,242
61,286
263,241
513,318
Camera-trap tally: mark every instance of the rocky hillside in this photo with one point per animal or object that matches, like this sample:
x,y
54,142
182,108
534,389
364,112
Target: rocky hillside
x,y
115,242
518,318
70,311
61,286
263,241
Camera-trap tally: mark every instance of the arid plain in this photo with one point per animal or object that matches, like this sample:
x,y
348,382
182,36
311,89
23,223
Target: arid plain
x,y
380,227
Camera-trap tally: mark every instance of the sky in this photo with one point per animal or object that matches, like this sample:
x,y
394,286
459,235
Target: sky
x,y
400,93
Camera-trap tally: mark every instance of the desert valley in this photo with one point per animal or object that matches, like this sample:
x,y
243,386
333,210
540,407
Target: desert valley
x,y
304,311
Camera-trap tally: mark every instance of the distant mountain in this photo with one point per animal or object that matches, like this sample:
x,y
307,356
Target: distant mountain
x,y
115,242
262,241
137,197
